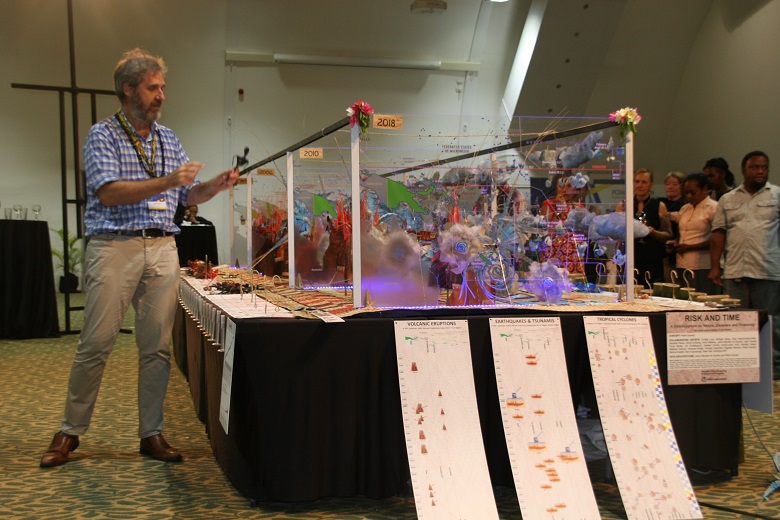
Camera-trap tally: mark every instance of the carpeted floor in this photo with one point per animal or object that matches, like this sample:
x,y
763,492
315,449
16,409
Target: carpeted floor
x,y
108,479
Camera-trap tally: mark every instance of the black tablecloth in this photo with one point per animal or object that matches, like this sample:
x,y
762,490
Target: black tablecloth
x,y
28,303
315,408
197,243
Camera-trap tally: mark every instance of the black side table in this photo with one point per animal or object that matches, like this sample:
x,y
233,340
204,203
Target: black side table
x,y
28,302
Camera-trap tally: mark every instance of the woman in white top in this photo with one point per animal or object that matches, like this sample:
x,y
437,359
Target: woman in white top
x,y
694,221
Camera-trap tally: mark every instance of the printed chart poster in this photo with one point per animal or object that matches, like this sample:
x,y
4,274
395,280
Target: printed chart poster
x,y
443,438
539,423
712,347
227,375
247,306
645,457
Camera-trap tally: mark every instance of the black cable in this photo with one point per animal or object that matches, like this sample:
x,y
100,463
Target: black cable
x,y
747,414
737,511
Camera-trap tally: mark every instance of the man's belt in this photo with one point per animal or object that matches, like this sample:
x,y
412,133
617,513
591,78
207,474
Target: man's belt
x,y
146,233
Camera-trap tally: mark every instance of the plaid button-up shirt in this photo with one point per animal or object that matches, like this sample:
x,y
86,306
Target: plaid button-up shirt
x,y
110,156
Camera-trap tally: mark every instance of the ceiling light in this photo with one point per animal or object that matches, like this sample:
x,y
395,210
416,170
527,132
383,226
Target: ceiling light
x,y
428,6
299,59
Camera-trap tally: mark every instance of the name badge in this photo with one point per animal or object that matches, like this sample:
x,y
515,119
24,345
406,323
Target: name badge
x,y
156,203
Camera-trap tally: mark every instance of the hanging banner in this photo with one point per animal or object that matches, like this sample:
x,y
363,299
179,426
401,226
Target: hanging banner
x,y
447,461
539,423
645,458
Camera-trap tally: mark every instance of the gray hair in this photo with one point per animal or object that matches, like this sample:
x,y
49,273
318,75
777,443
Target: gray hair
x,y
132,68
680,176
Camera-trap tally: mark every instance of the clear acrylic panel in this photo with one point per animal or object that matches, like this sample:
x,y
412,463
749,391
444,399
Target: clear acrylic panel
x,y
456,210
322,193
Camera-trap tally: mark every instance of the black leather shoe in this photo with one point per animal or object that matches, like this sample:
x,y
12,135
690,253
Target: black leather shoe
x,y
156,447
58,451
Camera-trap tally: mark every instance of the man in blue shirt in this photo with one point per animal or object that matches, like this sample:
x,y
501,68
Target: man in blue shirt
x,y
137,173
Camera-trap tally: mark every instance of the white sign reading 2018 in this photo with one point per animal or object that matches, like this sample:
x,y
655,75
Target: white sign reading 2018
x,y
388,122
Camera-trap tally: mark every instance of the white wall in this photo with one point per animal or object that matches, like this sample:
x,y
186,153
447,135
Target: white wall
x,y
703,72
34,42
727,100
704,75
643,67
282,103
29,124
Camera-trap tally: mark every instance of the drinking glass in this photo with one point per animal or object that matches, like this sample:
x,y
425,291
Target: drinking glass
x,y
17,211
36,210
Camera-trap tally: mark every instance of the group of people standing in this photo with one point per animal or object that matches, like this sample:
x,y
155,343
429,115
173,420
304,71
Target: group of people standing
x,y
728,236
690,210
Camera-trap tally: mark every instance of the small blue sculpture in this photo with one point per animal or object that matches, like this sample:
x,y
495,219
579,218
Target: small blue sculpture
x,y
547,282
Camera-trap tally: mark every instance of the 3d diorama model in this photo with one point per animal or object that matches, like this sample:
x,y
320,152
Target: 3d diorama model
x,y
427,211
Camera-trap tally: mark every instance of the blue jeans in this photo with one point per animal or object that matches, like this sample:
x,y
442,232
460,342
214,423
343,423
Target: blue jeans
x,y
759,294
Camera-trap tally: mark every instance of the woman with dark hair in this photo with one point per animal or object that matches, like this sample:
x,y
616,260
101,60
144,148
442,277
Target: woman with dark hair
x,y
721,178
674,200
694,221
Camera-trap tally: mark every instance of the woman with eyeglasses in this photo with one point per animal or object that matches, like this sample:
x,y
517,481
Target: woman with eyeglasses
x,y
674,200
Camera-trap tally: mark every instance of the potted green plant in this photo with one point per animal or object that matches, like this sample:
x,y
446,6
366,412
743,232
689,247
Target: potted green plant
x,y
69,282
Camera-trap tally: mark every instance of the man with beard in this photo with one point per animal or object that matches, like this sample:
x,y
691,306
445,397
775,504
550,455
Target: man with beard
x,y
137,173
746,226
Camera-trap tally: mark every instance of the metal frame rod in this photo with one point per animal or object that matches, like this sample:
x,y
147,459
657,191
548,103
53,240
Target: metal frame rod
x,y
322,133
539,138
70,90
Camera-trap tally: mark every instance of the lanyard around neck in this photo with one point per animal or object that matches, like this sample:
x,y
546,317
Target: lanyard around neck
x,y
146,163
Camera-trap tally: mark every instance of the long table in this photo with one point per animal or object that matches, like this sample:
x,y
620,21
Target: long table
x,y
315,409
